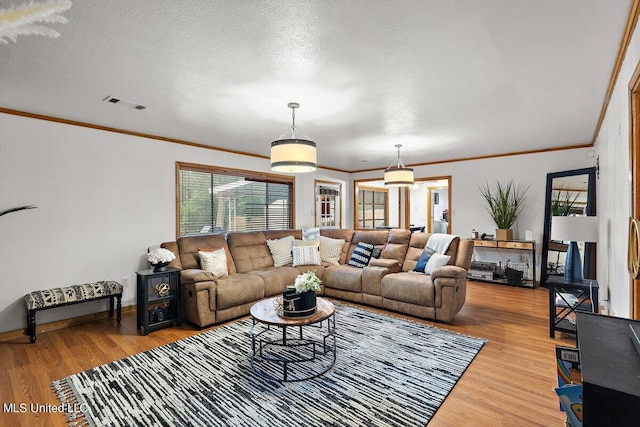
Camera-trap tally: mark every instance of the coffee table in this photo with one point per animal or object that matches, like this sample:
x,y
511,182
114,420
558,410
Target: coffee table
x,y
278,355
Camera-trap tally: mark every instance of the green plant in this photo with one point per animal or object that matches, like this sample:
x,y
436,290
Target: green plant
x,y
505,201
562,202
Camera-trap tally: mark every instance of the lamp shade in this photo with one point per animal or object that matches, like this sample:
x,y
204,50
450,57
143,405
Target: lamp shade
x,y
293,151
293,155
574,228
398,177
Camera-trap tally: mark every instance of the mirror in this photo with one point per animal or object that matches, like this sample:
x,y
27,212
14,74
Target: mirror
x,y
568,193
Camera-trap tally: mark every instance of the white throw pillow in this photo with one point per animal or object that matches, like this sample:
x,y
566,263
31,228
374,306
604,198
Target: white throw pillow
x,y
306,255
214,262
281,250
330,249
314,243
436,261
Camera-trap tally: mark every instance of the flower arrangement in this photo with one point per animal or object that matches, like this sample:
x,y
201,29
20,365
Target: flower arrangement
x,y
160,255
307,282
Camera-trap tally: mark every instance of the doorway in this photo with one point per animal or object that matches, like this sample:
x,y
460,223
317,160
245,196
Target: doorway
x,y
634,155
429,205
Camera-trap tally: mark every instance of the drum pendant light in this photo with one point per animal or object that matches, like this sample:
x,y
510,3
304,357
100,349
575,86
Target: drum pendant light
x,y
293,152
398,175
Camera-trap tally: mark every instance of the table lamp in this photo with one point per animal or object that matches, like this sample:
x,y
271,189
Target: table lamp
x,y
574,229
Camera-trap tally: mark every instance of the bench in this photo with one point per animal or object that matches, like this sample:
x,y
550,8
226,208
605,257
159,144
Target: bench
x,y
59,297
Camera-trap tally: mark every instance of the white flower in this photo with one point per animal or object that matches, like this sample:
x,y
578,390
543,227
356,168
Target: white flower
x,y
160,255
307,282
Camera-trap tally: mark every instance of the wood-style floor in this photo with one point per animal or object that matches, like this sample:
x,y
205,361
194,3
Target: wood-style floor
x,y
510,383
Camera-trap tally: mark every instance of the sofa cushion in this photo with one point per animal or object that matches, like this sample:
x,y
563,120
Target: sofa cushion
x,y
412,288
249,250
237,289
276,279
331,249
361,255
280,250
188,247
397,244
343,277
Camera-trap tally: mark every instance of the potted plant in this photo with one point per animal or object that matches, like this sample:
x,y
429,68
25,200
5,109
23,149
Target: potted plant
x,y
562,202
505,201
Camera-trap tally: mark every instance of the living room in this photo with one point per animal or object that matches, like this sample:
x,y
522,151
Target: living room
x,y
104,193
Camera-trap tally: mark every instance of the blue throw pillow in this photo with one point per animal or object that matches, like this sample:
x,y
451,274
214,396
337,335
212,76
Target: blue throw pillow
x,y
361,255
424,259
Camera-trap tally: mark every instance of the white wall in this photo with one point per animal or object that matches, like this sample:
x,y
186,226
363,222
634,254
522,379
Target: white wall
x,y
467,207
614,188
102,198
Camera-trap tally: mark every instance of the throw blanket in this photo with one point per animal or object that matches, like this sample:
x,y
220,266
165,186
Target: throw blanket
x,y
440,242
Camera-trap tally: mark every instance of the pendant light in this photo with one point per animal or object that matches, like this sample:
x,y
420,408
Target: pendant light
x,y
293,151
398,175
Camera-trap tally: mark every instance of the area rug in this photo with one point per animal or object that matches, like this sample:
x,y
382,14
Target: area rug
x,y
389,372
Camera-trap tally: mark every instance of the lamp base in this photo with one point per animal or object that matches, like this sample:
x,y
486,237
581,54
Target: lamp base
x,y
573,264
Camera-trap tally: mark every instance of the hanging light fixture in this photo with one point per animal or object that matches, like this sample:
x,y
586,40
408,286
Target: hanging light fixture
x,y
398,175
293,151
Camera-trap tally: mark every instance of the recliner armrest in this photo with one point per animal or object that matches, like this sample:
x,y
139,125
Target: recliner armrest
x,y
195,275
449,271
384,262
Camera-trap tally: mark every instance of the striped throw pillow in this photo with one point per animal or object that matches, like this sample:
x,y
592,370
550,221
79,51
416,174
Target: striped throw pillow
x,y
361,255
331,249
281,250
306,255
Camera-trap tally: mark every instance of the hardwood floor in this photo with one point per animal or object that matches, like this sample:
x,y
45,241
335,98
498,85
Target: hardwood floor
x,y
510,383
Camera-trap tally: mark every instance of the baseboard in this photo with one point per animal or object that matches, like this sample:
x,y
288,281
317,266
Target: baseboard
x,y
64,323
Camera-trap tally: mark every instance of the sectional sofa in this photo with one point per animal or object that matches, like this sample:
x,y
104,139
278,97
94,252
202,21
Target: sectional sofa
x,y
387,282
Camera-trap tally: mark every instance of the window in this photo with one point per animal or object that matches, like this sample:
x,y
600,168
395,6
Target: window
x,y
328,204
372,207
212,200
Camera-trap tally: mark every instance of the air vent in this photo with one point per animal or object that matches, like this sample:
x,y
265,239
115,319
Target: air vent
x,y
124,103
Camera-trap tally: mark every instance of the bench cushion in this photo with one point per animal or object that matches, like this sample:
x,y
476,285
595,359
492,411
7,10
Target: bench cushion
x,y
39,300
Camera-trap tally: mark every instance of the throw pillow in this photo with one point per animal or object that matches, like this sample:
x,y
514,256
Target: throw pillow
x,y
230,267
214,262
437,260
424,259
281,250
375,254
306,255
361,255
330,249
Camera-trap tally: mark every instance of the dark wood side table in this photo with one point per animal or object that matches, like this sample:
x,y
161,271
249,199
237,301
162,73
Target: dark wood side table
x,y
158,299
568,298
610,370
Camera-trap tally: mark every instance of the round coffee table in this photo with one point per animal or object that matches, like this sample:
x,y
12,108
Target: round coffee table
x,y
300,356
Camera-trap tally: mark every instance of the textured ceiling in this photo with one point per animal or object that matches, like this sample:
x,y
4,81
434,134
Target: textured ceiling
x,y
448,79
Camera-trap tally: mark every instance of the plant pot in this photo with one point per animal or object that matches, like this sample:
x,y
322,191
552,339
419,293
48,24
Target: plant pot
x,y
504,234
298,304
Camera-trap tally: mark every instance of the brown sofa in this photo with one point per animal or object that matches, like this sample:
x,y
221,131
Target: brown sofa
x,y
386,282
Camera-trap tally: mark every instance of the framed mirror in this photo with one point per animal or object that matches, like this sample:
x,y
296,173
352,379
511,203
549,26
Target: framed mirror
x,y
570,192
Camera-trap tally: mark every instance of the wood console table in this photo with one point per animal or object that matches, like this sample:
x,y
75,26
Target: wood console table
x,y
518,245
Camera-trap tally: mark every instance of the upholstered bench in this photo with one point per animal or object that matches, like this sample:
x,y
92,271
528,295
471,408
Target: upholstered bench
x,y
59,297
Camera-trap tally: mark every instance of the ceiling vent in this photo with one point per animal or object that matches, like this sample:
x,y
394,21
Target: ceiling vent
x,y
124,103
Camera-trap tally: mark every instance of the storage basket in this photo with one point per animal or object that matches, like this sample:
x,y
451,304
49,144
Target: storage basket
x,y
514,277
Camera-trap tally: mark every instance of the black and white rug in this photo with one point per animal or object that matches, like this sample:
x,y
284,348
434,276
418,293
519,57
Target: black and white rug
x,y
389,372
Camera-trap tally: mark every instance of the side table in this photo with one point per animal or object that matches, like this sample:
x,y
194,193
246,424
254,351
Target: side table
x,y
567,298
158,299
